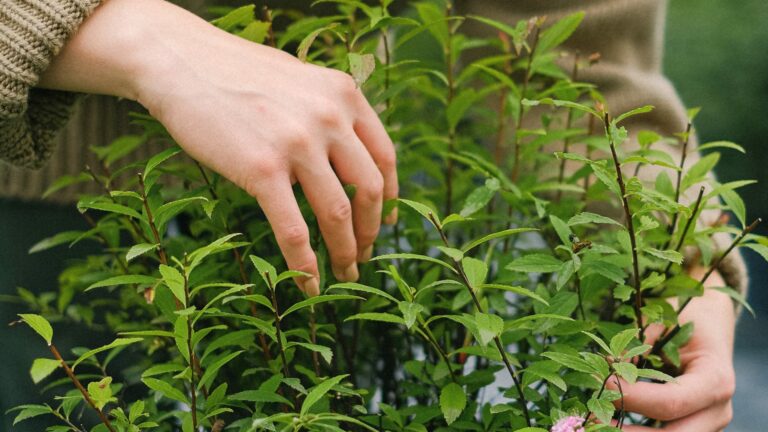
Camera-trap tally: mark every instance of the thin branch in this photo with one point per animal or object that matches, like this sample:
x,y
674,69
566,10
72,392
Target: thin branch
x,y
151,220
502,352
663,341
686,140
687,227
80,387
638,303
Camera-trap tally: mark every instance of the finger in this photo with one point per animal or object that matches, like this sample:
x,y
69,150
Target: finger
x,y
334,215
695,390
714,419
276,199
354,166
375,138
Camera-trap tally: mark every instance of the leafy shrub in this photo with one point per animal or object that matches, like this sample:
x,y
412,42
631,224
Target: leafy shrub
x,y
502,300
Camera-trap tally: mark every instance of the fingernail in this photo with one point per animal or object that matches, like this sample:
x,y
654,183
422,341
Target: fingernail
x,y
391,218
312,287
348,274
365,255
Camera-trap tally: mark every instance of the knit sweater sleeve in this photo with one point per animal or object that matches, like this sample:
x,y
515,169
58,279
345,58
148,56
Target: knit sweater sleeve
x,y
32,32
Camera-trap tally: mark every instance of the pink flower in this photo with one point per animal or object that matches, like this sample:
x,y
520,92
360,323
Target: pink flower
x,y
569,424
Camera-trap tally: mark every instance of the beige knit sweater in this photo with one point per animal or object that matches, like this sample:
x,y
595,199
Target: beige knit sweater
x,y
627,33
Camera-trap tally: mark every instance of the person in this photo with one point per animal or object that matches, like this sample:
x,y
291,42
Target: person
x,y
265,120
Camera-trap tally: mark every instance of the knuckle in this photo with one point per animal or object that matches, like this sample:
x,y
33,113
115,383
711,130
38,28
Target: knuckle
x,y
388,160
339,212
372,190
331,116
295,235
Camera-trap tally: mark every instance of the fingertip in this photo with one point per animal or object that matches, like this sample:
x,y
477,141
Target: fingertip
x,y
311,287
391,218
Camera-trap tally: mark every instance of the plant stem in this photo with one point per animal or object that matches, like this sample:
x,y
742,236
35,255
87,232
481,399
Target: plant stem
x,y
313,339
267,17
638,303
278,331
192,362
687,227
80,387
568,125
436,346
523,91
599,393
151,220
661,342
502,352
451,132
684,155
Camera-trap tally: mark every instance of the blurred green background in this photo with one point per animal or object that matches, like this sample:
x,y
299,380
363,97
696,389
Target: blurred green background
x,y
717,57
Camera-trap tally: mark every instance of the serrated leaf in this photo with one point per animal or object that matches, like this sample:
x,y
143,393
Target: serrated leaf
x,y
166,389
40,325
109,207
159,158
139,249
308,40
722,144
654,375
361,67
535,263
517,290
587,217
261,396
213,369
410,312
410,256
626,370
175,281
475,270
599,341
602,409
497,235
423,210
318,299
738,297
571,361
101,392
377,316
318,392
667,255
124,280
621,340
488,326
559,32
114,344
453,400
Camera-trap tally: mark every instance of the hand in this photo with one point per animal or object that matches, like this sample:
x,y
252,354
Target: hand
x,y
256,115
700,400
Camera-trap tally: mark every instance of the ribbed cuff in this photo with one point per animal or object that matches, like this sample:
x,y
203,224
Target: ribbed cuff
x,y
32,32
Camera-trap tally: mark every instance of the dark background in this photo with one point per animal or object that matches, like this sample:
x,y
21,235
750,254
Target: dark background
x,y
717,56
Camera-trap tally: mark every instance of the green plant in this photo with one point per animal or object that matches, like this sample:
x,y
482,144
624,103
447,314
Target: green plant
x,y
494,273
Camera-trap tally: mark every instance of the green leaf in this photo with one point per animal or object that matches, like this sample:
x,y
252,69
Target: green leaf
x,y
377,316
759,248
265,268
599,341
166,389
318,392
586,217
621,340
571,361
517,290
562,103
423,210
480,197
634,112
535,263
65,181
40,325
56,240
455,112
352,286
626,370
736,205
42,368
475,270
559,32
489,326
213,369
563,231
667,255
497,235
409,256
159,158
361,67
139,249
722,144
606,269
452,402
411,312
235,18
114,344
325,352
175,282
309,39
109,207
261,396
318,299
602,409
167,211
699,170
123,280
101,392
654,375
30,411
738,297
